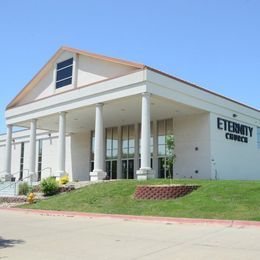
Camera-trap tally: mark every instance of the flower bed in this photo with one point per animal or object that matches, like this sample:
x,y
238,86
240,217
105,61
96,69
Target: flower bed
x,y
163,192
13,199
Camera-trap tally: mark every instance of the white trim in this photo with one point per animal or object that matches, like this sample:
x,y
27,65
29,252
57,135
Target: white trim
x,y
128,85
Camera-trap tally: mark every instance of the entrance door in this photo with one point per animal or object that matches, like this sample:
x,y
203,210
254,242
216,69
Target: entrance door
x,y
128,169
111,169
161,168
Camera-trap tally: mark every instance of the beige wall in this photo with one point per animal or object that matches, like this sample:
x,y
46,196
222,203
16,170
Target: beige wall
x,y
191,132
80,148
92,70
232,159
88,70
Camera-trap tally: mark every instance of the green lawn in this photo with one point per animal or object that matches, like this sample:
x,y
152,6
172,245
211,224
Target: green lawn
x,y
214,199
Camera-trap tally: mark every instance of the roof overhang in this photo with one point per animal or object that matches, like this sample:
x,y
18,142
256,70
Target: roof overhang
x,y
52,61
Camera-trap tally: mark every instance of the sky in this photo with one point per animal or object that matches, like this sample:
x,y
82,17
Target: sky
x,y
213,43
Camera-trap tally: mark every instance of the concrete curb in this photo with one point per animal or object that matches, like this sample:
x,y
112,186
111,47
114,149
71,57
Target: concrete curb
x,y
229,223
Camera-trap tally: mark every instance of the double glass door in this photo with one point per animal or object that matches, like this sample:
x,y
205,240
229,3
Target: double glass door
x,y
111,152
128,169
111,169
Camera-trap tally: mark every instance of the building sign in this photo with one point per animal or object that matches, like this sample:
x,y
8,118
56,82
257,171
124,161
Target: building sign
x,y
235,131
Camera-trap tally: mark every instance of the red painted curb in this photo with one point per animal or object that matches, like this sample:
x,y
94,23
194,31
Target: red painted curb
x,y
223,222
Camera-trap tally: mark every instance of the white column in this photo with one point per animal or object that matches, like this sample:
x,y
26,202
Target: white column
x,y
61,144
98,172
32,153
136,156
8,155
145,171
119,157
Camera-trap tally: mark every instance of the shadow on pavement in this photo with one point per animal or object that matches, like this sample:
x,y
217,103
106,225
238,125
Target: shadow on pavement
x,y
9,242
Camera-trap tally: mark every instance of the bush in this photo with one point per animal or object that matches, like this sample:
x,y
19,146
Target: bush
x,y
64,180
23,188
49,186
36,188
67,188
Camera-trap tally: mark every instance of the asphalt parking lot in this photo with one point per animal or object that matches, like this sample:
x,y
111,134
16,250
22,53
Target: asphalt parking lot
x,y
41,236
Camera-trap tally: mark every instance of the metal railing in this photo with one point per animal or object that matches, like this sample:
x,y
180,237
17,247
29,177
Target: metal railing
x,y
15,183
19,172
2,177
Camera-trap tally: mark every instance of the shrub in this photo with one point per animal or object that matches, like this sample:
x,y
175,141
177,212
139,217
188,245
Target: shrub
x,y
36,188
49,186
67,188
23,188
64,180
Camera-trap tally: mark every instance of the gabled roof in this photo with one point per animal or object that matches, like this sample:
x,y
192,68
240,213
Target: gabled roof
x,y
50,63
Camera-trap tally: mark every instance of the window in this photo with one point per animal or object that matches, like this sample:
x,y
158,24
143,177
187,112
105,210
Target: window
x,y
21,161
164,128
258,137
64,73
111,143
128,141
39,169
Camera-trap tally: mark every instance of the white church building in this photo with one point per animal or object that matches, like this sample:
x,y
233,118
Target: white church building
x,y
92,116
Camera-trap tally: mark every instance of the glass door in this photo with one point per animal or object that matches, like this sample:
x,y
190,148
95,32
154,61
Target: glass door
x,y
128,169
111,152
111,169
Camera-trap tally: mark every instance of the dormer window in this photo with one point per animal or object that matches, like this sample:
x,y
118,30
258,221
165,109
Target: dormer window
x,y
64,73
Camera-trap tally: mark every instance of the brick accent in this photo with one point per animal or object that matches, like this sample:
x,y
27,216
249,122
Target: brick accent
x,y
163,192
13,199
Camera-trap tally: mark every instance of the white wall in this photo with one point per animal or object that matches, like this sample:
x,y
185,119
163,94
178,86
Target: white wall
x,y
191,132
80,154
49,151
2,159
89,70
43,89
16,156
234,160
50,156
16,152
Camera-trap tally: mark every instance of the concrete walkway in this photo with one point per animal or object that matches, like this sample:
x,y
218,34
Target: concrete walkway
x,y
42,236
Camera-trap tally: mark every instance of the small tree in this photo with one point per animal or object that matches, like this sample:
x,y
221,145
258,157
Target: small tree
x,y
49,186
170,156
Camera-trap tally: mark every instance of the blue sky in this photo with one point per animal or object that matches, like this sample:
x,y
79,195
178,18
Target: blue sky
x,y
213,43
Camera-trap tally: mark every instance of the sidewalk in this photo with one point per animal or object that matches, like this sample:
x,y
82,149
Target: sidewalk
x,y
29,234
228,223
